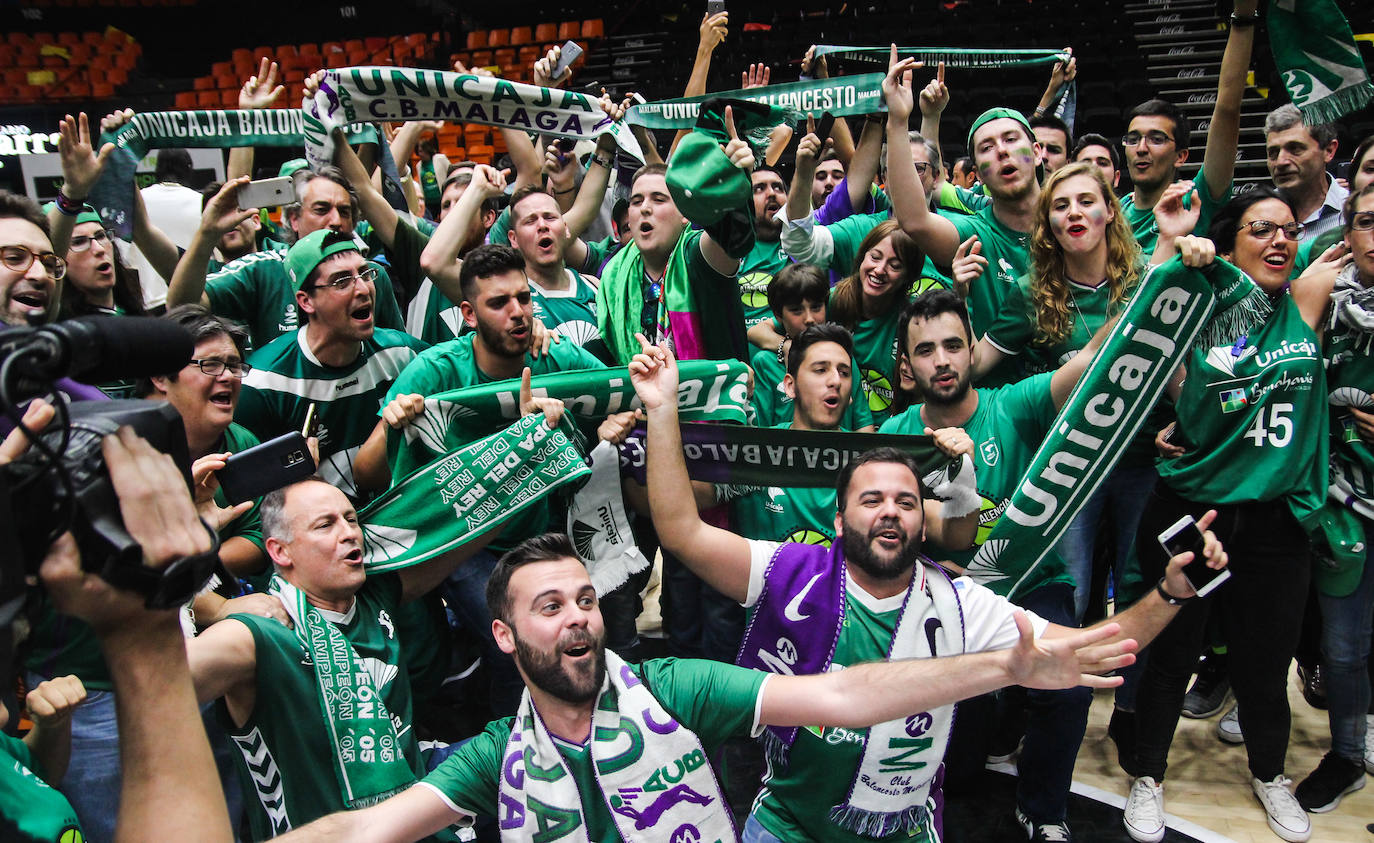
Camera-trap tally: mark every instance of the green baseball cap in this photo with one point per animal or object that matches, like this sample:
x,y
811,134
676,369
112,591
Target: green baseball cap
x,y
1339,549
312,249
997,114
703,183
290,167
88,214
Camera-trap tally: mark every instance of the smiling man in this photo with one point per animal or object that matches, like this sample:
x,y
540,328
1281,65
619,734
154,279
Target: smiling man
x,y
29,271
338,360
301,753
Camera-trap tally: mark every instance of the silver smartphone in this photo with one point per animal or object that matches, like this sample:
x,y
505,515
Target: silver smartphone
x,y
566,57
266,193
1184,536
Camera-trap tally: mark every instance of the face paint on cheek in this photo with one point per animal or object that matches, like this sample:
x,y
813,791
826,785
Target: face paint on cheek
x,y
984,169
1097,215
1024,153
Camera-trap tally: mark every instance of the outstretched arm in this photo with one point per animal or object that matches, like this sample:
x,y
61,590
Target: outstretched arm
x,y
712,32
411,815
1219,159
439,260
374,207
864,168
260,91
843,139
718,556
876,692
221,215
82,165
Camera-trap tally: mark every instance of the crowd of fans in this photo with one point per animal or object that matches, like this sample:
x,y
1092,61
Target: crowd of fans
x,y
889,286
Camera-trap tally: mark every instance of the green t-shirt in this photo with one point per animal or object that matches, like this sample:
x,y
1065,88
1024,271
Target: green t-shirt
x,y
431,315
1142,220
1008,257
1349,380
875,350
33,810
951,197
450,366
799,514
758,268
287,378
1251,419
1007,429
774,408
256,291
285,754
572,312
715,701
402,265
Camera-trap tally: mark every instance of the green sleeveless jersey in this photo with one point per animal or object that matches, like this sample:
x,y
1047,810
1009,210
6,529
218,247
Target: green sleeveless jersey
x,y
256,291
1252,416
287,378
572,312
1349,382
773,406
1142,220
758,268
286,755
1007,429
34,811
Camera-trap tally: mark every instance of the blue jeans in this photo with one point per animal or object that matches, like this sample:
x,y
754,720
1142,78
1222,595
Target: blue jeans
x,y
754,832
1346,623
465,592
1123,496
1055,723
92,781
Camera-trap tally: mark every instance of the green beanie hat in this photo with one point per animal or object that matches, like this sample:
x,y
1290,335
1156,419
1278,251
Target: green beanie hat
x,y
996,114
311,250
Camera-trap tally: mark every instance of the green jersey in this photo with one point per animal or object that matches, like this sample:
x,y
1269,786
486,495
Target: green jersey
x,y
1007,429
402,265
256,291
774,514
431,315
773,406
571,312
875,350
34,811
715,701
285,761
1013,330
1251,417
451,365
287,378
1349,380
755,272
951,197
1008,255
1142,220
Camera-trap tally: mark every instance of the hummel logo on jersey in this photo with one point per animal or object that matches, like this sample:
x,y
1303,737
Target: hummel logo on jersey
x,y
340,387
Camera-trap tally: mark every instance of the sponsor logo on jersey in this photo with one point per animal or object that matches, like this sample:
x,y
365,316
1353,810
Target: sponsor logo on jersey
x,y
878,388
990,452
1233,400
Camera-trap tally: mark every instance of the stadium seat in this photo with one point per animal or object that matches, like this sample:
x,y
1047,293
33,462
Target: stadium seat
x,y
594,28
545,32
498,38
477,39
569,30
520,35
186,100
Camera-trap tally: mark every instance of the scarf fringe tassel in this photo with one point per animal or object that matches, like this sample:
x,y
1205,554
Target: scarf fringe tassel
x,y
879,825
1336,105
1240,318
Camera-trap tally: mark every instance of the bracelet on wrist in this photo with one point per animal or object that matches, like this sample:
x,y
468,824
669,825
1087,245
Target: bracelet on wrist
x,y
1169,598
68,206
1244,20
782,355
606,161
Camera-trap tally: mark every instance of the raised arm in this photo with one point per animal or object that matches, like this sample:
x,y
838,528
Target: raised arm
x,y
1061,73
843,139
373,206
260,91
865,694
934,99
440,260
858,178
414,814
799,194
81,169
712,32
742,157
221,215
1223,133
718,556
936,235
50,705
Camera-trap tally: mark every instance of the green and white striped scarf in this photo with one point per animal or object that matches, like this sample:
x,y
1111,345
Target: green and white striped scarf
x,y
1317,57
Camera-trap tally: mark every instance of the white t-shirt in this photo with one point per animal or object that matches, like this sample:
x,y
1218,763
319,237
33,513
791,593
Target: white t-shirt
x,y
176,210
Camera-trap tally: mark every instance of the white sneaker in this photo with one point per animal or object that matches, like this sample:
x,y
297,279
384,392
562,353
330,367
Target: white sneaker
x,y
1228,727
1144,815
1287,819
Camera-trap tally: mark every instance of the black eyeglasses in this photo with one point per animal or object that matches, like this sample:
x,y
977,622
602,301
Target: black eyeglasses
x,y
1266,230
922,167
20,258
82,242
214,367
345,280
1153,138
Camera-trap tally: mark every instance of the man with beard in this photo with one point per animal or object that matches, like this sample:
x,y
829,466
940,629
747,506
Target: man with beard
x,y
338,360
498,305
829,174
29,271
301,755
1157,138
766,258
865,598
1007,425
606,751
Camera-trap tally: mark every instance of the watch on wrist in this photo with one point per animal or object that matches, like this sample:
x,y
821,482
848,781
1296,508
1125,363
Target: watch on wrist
x,y
1169,598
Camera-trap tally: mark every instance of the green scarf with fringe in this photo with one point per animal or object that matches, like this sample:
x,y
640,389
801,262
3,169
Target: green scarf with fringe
x,y
1318,59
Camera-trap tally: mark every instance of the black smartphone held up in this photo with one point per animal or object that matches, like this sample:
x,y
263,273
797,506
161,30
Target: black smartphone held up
x,y
823,128
260,469
1182,537
566,57
715,7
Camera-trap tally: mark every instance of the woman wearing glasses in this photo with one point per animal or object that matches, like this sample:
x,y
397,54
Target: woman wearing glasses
x,y
98,280
1250,442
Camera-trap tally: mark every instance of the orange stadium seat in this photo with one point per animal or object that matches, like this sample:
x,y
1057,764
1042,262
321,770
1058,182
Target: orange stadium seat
x,y
203,83
546,32
569,30
186,100
207,99
594,28
520,35
498,37
477,39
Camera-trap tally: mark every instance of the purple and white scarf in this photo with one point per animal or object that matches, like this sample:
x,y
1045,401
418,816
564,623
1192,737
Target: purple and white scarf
x,y
795,628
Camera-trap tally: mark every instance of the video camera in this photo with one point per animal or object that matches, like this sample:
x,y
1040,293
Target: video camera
x,y
62,483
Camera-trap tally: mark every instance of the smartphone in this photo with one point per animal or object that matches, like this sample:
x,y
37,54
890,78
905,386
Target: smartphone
x,y
308,429
566,57
715,7
823,128
260,469
266,193
1184,536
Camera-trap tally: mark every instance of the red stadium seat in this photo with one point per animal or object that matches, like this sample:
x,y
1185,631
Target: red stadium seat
x,y
569,30
498,37
186,100
594,28
520,35
477,39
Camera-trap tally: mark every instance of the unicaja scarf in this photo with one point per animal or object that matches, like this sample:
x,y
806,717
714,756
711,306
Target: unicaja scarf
x,y
351,94
794,629
951,56
539,800
1317,57
368,760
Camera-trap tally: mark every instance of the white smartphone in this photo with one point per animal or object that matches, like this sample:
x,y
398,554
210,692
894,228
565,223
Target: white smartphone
x,y
1184,536
266,193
